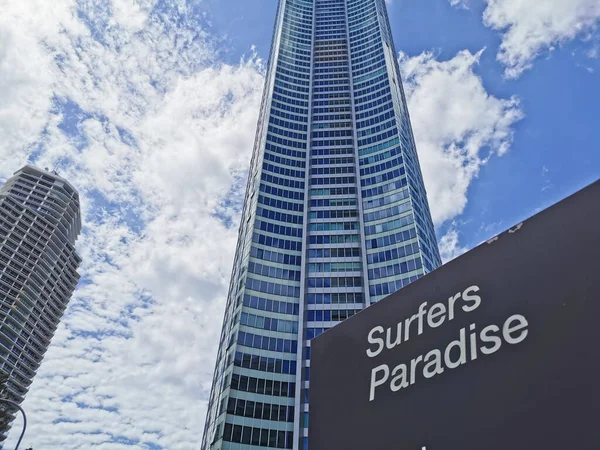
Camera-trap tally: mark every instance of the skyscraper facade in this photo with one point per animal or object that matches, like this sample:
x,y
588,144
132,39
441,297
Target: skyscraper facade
x,y
335,218
40,220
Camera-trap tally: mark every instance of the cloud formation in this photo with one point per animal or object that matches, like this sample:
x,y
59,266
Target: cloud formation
x,y
450,247
531,27
457,124
127,100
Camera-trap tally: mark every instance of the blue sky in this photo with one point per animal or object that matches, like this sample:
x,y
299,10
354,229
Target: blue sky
x,y
149,108
556,146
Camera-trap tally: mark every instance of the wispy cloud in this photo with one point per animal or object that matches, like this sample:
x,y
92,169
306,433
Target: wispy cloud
x,y
458,125
450,247
532,27
129,101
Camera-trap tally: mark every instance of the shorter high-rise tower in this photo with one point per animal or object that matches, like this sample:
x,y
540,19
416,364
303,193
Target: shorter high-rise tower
x,y
40,219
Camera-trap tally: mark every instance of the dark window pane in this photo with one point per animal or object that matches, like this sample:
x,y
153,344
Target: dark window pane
x,y
264,437
272,438
237,434
239,407
255,436
227,432
249,412
246,435
281,439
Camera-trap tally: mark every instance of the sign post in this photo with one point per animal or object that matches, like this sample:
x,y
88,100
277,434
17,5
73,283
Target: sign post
x,y
496,350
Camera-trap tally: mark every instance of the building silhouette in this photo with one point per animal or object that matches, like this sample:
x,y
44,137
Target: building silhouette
x,y
335,218
40,220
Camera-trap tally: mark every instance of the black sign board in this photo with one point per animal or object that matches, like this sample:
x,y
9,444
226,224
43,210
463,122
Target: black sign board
x,y
496,350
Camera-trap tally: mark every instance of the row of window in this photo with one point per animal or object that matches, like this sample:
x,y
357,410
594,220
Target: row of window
x,y
331,110
359,87
386,200
367,66
277,229
332,170
334,252
332,142
260,410
261,386
379,137
310,333
389,226
364,27
332,180
330,315
333,202
281,258
276,112
380,178
288,100
341,97
267,343
376,119
269,323
258,436
391,286
366,49
327,282
290,96
334,239
280,217
282,181
373,89
395,269
281,204
331,161
331,133
333,191
273,272
276,242
286,107
334,267
283,170
290,87
285,161
378,190
264,364
331,117
334,298
381,156
391,239
333,226
387,100
294,195
358,43
332,151
272,288
337,86
334,214
382,166
251,301
322,125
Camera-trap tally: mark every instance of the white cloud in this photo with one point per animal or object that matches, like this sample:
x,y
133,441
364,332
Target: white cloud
x,y
450,247
457,125
133,110
131,14
460,3
530,27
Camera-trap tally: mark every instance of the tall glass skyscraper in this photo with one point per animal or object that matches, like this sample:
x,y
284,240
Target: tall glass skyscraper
x,y
335,218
